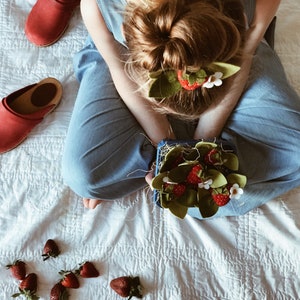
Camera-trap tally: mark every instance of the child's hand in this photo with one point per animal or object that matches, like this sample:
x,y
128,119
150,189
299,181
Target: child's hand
x,y
150,175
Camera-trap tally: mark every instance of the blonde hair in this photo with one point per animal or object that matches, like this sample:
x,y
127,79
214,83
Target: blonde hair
x,y
182,35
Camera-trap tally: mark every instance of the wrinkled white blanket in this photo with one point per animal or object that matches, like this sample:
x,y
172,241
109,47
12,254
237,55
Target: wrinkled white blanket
x,y
256,256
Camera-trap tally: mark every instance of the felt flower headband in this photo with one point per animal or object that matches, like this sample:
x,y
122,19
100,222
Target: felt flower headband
x,y
166,83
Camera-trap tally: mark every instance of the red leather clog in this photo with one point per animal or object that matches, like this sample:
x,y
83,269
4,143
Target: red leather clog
x,y
22,110
48,20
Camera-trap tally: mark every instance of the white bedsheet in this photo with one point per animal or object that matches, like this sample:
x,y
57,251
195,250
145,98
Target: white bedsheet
x,y
256,256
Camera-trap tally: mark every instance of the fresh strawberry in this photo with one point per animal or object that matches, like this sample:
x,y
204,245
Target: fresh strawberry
x,y
185,82
127,286
87,270
17,269
29,283
50,249
28,287
194,175
59,292
220,199
213,157
69,279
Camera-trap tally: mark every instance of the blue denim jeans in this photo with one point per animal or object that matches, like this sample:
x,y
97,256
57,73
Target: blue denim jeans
x,y
107,153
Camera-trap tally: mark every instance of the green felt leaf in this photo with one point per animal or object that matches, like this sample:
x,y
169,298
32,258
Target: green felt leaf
x,y
241,180
178,210
208,145
192,78
199,76
174,152
180,173
155,74
230,161
204,147
203,193
227,69
157,181
192,155
164,200
190,163
164,85
207,206
170,158
217,177
189,198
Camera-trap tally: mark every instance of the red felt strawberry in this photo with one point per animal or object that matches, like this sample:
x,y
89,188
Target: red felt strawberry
x,y
213,157
194,175
28,287
17,269
176,189
127,286
69,279
220,199
185,82
59,292
87,270
50,249
179,189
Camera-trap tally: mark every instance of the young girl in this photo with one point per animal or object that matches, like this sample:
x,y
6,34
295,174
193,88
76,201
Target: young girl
x,y
116,126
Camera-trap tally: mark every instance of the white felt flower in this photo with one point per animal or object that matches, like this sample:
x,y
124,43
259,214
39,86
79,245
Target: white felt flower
x,y
213,80
236,192
205,185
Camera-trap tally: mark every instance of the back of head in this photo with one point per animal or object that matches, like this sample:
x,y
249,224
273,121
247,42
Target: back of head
x,y
185,35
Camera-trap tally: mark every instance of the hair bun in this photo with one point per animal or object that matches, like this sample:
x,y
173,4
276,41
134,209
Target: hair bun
x,y
173,34
181,35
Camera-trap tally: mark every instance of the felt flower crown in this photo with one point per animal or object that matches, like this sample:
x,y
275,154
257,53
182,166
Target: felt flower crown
x,y
166,83
203,176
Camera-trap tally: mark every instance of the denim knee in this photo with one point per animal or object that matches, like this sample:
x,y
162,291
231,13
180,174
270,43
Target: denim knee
x,y
108,175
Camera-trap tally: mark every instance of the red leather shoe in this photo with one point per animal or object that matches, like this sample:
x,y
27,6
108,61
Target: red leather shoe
x,y
22,110
48,20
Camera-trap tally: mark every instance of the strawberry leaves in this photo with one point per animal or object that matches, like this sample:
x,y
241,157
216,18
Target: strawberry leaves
x,y
28,287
